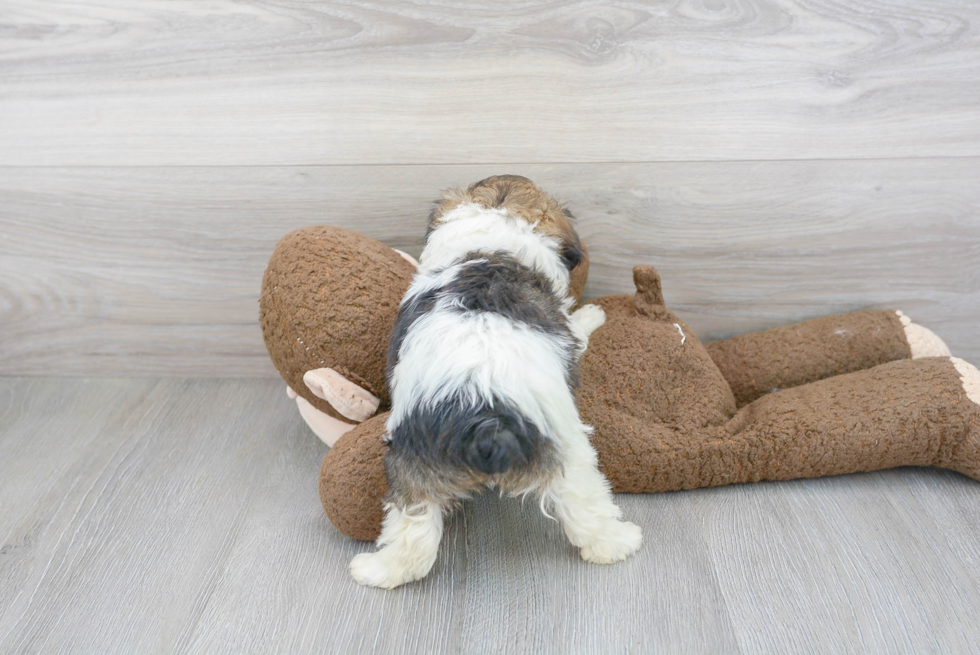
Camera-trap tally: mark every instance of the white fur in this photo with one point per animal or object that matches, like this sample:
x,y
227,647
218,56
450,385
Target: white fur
x,y
483,356
478,356
470,227
427,280
586,320
582,500
411,542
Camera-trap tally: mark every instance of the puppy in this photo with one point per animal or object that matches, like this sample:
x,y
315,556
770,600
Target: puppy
x,y
481,366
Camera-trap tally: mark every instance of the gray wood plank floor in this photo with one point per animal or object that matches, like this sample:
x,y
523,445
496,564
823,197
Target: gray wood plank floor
x,y
170,515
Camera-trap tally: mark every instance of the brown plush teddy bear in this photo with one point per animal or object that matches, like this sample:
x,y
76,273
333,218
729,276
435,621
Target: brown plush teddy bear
x,y
855,392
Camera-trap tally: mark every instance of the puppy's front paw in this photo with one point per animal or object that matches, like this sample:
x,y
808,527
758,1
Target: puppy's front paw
x,y
617,541
588,318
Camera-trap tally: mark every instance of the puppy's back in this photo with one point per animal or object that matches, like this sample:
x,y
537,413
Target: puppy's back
x,y
480,358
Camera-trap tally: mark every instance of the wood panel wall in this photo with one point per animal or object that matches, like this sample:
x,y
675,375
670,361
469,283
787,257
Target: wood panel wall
x,y
775,159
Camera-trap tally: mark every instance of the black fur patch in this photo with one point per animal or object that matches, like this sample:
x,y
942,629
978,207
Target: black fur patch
x,y
408,313
489,439
488,282
571,255
571,247
498,283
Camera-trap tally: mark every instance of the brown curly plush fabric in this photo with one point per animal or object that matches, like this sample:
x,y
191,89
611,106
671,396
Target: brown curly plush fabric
x,y
664,413
880,418
669,425
329,299
651,367
783,358
665,419
343,495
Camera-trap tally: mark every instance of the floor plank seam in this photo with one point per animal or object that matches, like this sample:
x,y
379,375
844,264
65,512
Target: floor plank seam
x,y
598,162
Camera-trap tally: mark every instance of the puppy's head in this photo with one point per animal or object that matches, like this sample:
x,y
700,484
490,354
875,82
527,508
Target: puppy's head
x,y
521,198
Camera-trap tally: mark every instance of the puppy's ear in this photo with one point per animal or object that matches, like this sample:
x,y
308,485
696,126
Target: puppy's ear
x,y
571,246
572,255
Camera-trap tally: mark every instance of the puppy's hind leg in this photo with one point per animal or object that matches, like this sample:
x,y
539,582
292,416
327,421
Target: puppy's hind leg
x,y
409,542
583,502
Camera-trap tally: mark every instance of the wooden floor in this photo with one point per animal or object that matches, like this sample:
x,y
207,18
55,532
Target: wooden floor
x,y
167,515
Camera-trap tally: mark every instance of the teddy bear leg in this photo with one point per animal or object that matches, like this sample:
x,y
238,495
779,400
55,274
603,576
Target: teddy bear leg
x,y
353,480
758,363
582,500
965,455
920,412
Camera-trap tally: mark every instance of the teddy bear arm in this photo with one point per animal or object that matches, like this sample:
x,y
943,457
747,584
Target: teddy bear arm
x,y
324,426
759,363
353,482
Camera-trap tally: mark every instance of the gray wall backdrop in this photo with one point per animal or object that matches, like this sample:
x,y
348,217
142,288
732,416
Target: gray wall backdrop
x,y
776,160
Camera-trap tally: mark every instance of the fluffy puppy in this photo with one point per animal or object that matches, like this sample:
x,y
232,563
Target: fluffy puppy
x,y
482,365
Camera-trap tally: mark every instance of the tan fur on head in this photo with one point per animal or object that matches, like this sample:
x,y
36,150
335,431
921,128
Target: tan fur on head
x,y
519,197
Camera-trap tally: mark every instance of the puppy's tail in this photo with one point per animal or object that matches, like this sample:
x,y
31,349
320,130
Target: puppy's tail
x,y
498,440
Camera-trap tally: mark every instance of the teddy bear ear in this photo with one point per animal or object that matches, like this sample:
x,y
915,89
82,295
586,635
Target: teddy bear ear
x,y
647,282
347,398
411,260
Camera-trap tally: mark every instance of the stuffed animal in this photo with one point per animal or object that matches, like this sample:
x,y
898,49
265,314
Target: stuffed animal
x,y
856,392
